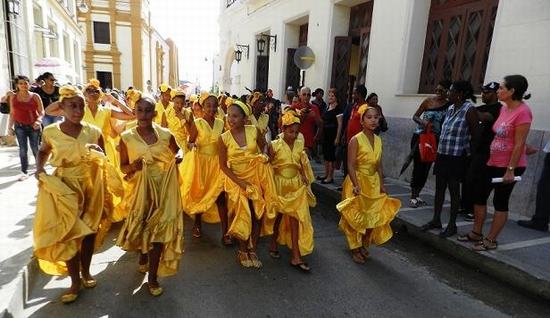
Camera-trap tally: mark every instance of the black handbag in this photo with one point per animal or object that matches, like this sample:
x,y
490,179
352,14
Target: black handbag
x,y
4,108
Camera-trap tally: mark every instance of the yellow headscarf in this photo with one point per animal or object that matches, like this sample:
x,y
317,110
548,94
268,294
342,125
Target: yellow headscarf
x,y
133,96
193,98
289,118
243,106
177,92
363,108
68,91
164,87
254,98
204,95
95,84
229,101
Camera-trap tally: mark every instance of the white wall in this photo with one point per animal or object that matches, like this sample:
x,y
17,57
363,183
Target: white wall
x,y
124,44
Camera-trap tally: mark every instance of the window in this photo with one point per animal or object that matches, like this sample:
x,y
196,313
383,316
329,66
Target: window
x,y
458,40
66,47
102,33
106,79
52,36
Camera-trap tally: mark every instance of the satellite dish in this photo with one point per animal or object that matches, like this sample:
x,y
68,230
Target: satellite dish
x,y
304,57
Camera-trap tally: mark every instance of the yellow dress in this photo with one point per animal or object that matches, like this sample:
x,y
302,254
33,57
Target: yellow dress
x,y
370,209
295,196
202,179
260,123
177,126
162,113
71,202
251,166
153,201
102,120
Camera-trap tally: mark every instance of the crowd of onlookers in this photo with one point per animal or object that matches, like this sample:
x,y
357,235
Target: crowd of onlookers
x,y
475,144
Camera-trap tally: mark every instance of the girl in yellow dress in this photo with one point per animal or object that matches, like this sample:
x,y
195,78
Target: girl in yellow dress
x,y
202,179
366,208
164,106
258,117
154,225
180,119
249,185
293,178
70,203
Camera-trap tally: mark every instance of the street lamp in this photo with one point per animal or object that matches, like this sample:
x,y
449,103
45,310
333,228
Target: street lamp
x,y
238,55
14,6
83,7
239,51
261,43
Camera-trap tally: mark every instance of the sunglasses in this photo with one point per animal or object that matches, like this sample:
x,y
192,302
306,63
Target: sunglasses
x,y
306,94
52,79
92,91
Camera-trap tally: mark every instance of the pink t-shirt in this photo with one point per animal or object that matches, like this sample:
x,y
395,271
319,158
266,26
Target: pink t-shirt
x,y
505,128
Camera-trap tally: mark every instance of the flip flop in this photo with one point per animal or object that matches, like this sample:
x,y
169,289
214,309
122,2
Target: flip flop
x,y
275,254
303,267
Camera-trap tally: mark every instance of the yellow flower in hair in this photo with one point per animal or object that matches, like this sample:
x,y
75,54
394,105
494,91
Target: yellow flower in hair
x,y
288,119
164,87
68,91
363,108
177,92
243,106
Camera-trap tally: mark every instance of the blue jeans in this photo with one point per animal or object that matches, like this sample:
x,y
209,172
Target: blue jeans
x,y
24,133
48,120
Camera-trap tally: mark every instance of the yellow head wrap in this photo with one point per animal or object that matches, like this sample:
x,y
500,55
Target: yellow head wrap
x,y
164,87
95,84
254,98
229,101
243,106
204,95
289,118
68,91
193,98
363,109
133,96
177,92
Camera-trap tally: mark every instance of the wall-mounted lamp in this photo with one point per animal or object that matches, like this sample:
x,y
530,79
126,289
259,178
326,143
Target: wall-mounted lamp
x,y
261,43
14,6
239,52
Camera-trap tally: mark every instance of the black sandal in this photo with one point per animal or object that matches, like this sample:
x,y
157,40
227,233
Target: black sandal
x,y
327,182
468,237
485,245
321,177
303,267
430,225
275,254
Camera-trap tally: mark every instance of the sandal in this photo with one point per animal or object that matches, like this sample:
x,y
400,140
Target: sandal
x,y
430,225
89,283
485,245
275,254
413,203
243,259
327,182
321,177
420,201
303,267
196,232
365,253
155,291
255,260
226,240
471,237
358,257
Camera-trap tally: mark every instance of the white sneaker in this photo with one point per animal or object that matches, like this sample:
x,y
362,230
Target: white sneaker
x,y
23,177
420,201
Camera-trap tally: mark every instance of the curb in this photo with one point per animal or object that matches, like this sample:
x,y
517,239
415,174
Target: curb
x,y
25,279
506,272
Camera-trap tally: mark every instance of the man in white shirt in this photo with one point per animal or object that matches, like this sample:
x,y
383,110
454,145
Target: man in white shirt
x,y
540,220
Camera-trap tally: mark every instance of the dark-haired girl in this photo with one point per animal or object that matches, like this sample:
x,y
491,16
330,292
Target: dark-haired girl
x,y
74,193
372,101
154,225
431,112
25,121
457,132
507,160
365,207
249,184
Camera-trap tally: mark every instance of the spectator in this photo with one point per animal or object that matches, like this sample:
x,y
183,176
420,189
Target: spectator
x,y
273,109
372,101
507,159
488,114
332,131
26,112
352,120
318,100
432,110
49,93
457,132
310,117
540,220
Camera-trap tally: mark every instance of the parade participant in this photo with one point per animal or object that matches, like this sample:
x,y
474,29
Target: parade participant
x,y
258,118
179,118
25,120
154,225
366,208
202,179
164,105
251,193
293,178
75,193
195,106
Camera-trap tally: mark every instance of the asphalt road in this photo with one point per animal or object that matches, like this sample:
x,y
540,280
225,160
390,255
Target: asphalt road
x,y
402,279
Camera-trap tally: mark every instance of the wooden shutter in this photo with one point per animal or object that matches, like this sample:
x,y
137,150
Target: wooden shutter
x,y
340,65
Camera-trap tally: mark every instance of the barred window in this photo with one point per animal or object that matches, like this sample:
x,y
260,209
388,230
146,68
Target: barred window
x,y
102,33
458,40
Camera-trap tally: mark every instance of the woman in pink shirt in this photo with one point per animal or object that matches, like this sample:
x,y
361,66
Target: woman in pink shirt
x,y
507,160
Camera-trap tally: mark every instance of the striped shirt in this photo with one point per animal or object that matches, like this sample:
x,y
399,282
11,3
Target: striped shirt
x,y
455,132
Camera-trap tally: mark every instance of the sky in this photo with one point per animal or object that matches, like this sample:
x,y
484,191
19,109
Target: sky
x,y
193,25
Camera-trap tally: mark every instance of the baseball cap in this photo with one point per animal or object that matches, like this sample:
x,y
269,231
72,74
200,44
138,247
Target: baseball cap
x,y
491,86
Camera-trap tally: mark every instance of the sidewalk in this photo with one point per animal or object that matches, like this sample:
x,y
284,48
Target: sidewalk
x,y
17,204
521,260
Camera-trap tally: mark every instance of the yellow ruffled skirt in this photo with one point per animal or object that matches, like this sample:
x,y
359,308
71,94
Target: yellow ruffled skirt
x,y
155,216
260,193
368,210
202,183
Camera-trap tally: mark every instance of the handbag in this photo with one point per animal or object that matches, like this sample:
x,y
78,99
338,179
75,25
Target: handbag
x,y
427,145
4,108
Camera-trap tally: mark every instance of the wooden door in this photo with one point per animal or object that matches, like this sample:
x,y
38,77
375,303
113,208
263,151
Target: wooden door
x,y
340,66
292,71
262,72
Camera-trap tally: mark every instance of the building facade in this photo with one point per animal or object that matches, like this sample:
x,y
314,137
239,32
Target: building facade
x,y
399,49
122,49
